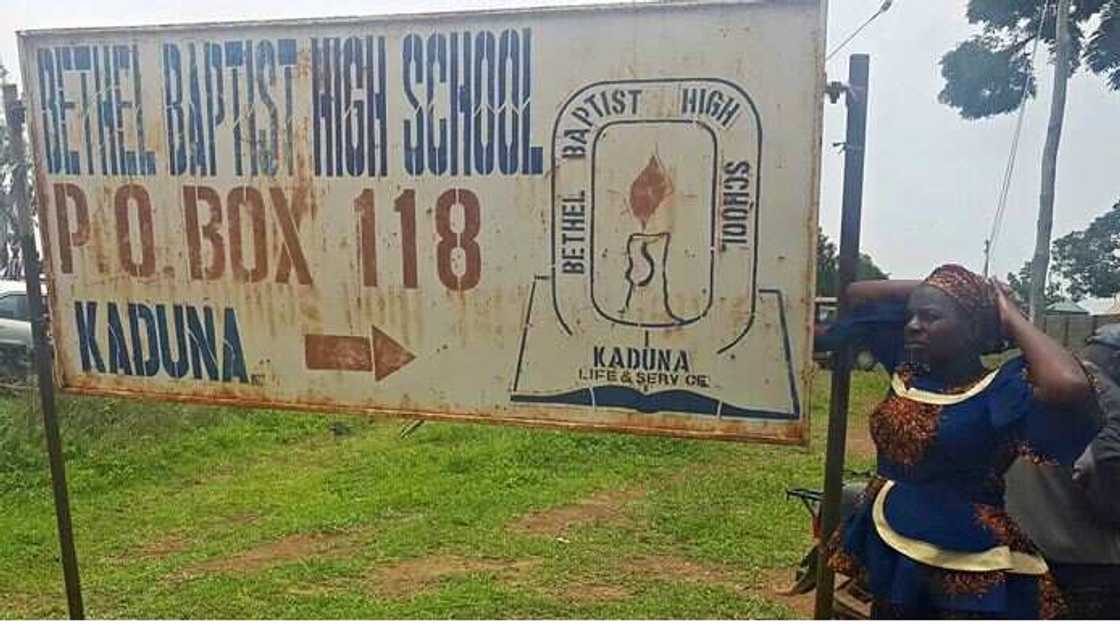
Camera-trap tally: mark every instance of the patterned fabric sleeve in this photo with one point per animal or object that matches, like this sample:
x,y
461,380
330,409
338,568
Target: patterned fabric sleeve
x,y
1044,432
877,327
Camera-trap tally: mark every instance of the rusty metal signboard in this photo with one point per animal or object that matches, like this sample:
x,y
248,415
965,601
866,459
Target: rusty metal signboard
x,y
598,218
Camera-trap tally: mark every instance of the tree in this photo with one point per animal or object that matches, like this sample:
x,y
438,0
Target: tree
x,y
11,266
828,267
1089,260
1020,284
985,75
9,228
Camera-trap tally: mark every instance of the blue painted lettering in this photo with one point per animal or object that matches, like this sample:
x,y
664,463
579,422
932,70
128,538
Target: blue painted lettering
x,y
348,106
469,100
254,80
69,104
85,321
140,342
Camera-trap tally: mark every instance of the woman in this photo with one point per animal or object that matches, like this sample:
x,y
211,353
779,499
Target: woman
x,y
930,533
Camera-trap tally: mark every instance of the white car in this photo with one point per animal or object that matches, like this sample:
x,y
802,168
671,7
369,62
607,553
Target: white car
x,y
15,327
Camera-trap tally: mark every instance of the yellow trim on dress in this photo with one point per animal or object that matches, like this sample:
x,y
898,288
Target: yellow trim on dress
x,y
1000,558
939,399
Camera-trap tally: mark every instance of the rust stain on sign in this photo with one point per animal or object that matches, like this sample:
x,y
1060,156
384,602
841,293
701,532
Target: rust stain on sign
x,y
590,250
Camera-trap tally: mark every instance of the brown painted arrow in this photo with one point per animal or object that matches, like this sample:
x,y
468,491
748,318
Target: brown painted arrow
x,y
334,352
388,355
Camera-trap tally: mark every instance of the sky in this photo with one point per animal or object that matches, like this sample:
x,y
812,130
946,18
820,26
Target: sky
x,y
932,179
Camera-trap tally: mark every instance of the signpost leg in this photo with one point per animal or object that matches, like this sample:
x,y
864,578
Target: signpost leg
x,y
14,113
858,67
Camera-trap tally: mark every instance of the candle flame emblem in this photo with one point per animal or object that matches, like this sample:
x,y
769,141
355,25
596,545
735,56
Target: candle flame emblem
x,y
649,190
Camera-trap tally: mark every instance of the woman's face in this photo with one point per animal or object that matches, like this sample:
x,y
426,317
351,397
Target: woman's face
x,y
938,330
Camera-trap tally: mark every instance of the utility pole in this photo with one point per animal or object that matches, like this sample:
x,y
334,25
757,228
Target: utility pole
x,y
1041,262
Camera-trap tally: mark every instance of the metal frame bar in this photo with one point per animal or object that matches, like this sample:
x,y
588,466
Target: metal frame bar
x,y
854,142
14,114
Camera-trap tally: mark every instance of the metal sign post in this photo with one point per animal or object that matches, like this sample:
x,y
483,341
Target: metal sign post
x,y
854,142
14,114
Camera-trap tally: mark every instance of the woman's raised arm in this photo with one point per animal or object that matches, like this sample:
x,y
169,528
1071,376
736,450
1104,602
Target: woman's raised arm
x,y
870,291
1057,376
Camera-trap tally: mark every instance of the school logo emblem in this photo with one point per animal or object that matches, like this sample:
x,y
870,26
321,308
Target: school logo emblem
x,y
651,294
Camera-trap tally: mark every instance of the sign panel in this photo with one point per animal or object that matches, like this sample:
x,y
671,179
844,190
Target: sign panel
x,y
601,218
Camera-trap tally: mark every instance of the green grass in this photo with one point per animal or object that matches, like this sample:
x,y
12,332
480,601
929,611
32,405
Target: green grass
x,y
200,512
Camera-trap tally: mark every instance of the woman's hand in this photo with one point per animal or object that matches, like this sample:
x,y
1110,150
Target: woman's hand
x,y
1057,376
1010,315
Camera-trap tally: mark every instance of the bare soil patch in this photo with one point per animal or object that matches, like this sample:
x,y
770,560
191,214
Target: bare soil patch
x,y
607,506
772,585
859,443
20,605
413,577
166,546
287,549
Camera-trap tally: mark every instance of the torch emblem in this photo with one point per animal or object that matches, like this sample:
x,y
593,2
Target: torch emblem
x,y
647,295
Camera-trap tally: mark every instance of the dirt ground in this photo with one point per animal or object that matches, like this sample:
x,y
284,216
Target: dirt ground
x,y
603,507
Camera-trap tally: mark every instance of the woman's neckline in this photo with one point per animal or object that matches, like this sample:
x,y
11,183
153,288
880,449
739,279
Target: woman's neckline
x,y
903,386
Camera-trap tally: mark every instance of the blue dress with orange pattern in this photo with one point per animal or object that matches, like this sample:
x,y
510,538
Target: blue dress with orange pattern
x,y
930,534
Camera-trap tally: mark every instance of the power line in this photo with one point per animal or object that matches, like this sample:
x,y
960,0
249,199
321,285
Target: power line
x,y
882,9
